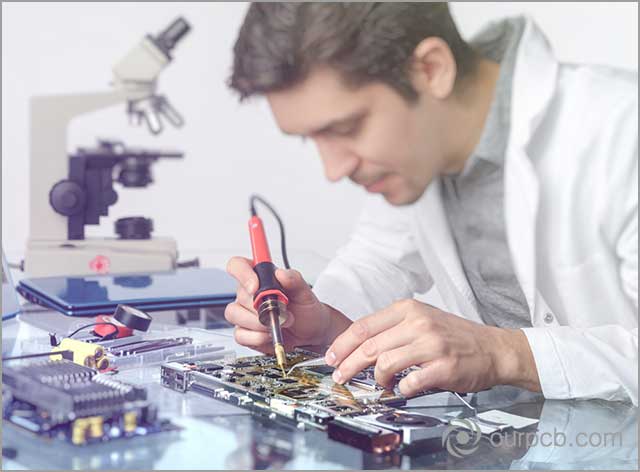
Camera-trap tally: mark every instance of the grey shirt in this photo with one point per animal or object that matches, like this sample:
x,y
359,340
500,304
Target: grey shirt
x,y
474,199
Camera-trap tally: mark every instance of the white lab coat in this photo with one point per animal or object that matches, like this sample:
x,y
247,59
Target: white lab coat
x,y
571,217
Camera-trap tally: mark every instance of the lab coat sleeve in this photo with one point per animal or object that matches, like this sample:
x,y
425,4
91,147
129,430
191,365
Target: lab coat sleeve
x,y
602,361
380,263
599,362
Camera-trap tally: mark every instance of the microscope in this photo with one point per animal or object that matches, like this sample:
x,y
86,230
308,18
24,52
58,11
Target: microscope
x,y
68,192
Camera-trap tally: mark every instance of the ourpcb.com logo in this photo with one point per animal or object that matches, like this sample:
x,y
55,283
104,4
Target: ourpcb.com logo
x,y
461,437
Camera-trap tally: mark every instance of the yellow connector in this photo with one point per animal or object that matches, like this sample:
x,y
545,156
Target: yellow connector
x,y
130,421
87,354
96,429
79,431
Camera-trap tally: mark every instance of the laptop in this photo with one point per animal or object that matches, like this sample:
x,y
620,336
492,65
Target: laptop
x,y
100,294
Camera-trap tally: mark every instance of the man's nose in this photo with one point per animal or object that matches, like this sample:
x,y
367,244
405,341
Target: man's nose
x,y
338,162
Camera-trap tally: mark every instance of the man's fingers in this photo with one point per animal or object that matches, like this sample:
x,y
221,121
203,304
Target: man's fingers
x,y
361,330
266,348
245,299
249,338
391,362
288,323
241,269
433,374
368,352
240,316
295,286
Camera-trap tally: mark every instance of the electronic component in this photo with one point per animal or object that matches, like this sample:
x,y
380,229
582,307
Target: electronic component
x,y
108,328
86,354
132,317
142,349
125,319
146,345
359,413
413,427
317,362
63,400
363,436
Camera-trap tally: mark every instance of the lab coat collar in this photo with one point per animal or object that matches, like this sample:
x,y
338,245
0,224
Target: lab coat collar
x,y
534,84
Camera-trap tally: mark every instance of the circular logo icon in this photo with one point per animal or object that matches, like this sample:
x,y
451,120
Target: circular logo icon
x,y
461,437
100,264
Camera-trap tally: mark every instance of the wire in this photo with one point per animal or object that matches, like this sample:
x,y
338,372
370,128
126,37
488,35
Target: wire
x,y
40,354
252,207
467,404
16,265
96,324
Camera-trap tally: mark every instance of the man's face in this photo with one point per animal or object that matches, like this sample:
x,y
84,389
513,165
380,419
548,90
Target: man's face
x,y
370,134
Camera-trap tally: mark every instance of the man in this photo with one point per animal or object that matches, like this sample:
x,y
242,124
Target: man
x,y
510,183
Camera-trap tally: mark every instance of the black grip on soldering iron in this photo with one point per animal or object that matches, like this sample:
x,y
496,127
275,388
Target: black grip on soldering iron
x,y
266,272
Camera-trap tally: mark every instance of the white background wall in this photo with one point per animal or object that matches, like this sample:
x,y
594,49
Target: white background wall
x,y
231,150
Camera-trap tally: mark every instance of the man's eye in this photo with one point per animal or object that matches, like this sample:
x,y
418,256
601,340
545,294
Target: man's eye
x,y
345,130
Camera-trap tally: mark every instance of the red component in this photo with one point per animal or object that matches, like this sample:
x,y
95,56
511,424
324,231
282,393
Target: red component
x,y
103,330
281,296
109,369
259,245
100,264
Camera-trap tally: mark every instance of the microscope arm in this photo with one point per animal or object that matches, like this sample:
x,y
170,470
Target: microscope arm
x,y
50,117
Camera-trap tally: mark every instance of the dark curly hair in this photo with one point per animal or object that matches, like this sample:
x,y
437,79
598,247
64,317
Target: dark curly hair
x,y
279,43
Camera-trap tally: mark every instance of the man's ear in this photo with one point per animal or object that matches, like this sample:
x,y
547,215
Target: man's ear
x,y
433,69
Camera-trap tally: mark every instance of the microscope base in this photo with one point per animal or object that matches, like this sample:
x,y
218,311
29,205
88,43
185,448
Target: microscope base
x,y
99,256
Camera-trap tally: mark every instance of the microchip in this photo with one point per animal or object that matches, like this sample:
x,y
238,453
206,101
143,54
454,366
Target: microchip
x,y
298,393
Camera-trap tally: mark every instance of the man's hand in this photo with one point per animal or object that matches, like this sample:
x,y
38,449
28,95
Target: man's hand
x,y
453,353
309,322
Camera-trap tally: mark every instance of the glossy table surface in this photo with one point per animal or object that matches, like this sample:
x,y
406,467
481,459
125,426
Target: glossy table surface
x,y
214,435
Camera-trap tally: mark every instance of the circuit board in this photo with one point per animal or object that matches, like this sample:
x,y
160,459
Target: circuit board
x,y
62,400
360,412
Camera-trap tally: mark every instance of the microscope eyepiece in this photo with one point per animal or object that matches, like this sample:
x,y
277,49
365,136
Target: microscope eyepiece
x,y
169,37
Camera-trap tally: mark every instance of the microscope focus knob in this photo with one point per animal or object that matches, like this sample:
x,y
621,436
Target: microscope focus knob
x,y
67,198
134,227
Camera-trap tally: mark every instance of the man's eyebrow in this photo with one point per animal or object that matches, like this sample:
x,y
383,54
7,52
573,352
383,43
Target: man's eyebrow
x,y
355,116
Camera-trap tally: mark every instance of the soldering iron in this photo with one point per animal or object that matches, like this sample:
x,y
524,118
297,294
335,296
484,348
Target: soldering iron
x,y
269,300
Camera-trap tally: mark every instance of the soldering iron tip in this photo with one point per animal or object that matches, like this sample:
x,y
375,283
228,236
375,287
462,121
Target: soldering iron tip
x,y
281,358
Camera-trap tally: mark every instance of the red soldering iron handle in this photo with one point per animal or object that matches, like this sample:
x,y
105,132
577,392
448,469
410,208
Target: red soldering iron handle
x,y
262,265
259,246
